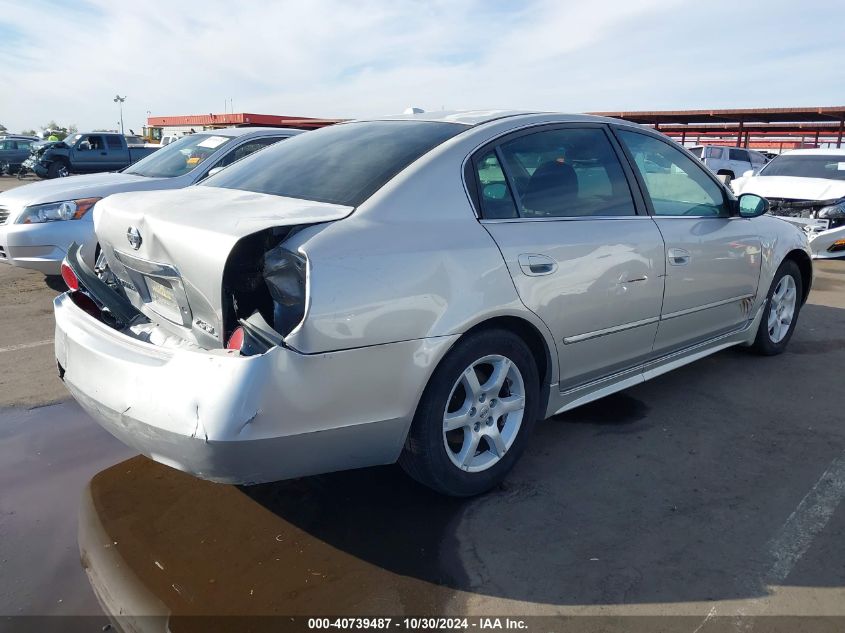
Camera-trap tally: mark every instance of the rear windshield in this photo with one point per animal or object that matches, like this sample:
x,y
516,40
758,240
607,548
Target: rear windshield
x,y
342,164
807,166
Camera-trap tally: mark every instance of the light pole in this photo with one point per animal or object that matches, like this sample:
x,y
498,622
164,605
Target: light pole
x,y
118,99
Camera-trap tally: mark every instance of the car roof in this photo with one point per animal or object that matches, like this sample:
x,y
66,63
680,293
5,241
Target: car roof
x,y
816,152
256,130
479,117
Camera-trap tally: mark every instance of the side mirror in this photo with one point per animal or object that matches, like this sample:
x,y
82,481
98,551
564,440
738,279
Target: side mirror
x,y
751,205
749,173
84,146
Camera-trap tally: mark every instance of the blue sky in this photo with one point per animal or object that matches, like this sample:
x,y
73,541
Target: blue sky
x,y
67,60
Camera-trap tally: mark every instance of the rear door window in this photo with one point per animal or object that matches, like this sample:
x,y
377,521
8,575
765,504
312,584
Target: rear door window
x,y
496,199
739,154
246,149
114,142
568,172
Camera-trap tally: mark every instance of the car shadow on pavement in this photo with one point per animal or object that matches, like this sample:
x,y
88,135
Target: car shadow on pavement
x,y
677,490
55,282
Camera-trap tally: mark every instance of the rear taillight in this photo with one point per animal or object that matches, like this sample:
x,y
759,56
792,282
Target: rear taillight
x,y
236,341
69,277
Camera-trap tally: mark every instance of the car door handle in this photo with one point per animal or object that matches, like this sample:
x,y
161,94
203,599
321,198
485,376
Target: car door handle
x,y
678,257
535,265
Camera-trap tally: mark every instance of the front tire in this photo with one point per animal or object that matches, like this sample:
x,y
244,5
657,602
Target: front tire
x,y
475,416
57,169
783,304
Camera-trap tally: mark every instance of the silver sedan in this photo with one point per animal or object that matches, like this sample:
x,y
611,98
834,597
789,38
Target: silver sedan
x,y
419,288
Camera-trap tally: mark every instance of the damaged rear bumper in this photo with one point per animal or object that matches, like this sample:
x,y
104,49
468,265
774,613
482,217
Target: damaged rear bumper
x,y
236,419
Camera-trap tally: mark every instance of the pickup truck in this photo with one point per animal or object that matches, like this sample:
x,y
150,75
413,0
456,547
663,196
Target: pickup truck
x,y
87,154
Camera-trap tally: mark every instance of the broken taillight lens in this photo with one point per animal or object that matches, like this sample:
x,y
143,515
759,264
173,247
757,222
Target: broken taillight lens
x,y
236,341
69,277
86,303
285,275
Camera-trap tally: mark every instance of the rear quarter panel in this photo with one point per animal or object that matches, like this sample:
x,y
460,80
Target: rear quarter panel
x,y
412,262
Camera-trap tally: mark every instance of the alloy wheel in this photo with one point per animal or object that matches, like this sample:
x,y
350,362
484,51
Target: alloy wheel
x,y
782,308
483,413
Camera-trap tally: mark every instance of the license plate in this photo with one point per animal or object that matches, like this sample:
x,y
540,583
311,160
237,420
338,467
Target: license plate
x,y
162,294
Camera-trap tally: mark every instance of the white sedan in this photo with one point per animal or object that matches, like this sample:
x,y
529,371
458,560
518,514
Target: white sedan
x,y
806,187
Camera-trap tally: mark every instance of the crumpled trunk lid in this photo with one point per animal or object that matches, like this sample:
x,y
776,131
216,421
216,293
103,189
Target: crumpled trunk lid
x,y
168,249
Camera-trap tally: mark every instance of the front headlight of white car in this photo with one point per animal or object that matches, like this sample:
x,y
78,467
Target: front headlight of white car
x,y
833,211
55,211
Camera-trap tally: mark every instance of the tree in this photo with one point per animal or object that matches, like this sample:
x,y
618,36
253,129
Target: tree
x,y
2,128
60,131
29,132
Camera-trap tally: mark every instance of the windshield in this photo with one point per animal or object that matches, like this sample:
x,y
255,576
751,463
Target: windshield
x,y
807,166
695,151
179,157
342,164
71,140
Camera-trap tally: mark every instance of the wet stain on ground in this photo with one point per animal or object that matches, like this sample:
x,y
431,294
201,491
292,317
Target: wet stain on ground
x,y
364,542
616,410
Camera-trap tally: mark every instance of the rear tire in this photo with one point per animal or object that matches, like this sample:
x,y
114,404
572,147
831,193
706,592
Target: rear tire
x,y
468,432
783,303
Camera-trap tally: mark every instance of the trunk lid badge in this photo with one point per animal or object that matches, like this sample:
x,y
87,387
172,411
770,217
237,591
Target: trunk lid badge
x,y
133,235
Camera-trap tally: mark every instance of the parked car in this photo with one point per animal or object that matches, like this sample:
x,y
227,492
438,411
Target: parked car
x,y
14,150
806,187
88,153
729,161
167,139
421,289
39,221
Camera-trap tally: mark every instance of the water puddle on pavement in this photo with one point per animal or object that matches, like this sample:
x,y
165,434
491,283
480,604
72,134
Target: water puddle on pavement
x,y
366,542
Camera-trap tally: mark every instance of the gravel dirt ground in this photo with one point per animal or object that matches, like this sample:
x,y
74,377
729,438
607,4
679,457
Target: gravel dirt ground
x,y
711,494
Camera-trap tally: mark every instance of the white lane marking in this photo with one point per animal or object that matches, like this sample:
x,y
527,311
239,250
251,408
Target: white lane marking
x,y
710,614
806,521
14,348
